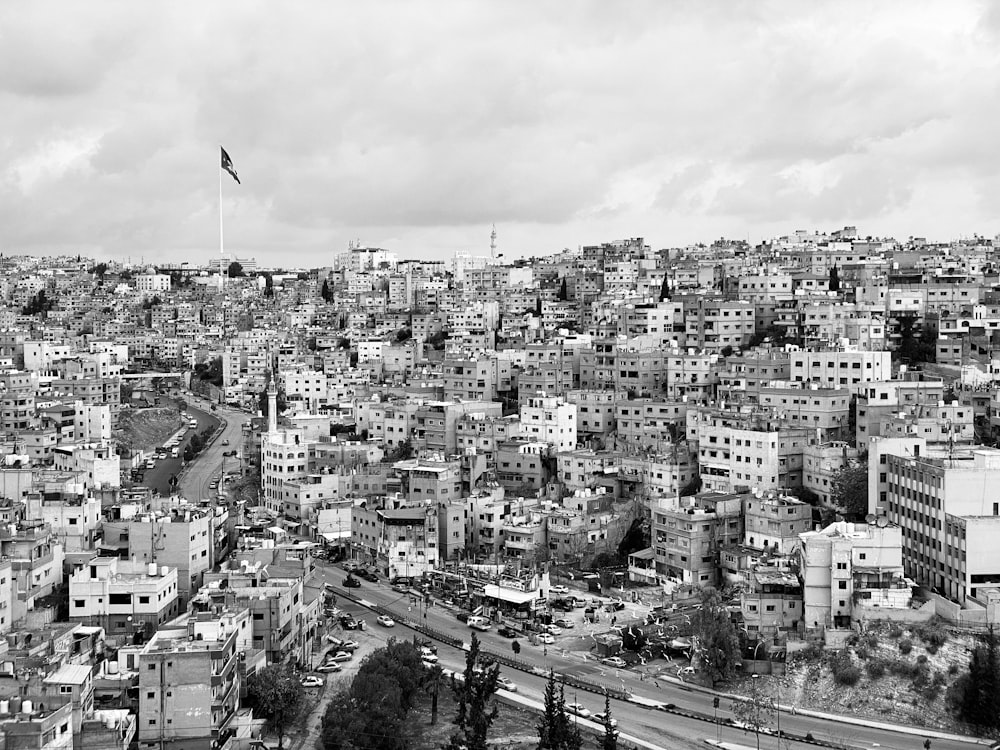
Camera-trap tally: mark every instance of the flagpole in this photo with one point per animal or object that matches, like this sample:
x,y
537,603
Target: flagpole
x,y
222,252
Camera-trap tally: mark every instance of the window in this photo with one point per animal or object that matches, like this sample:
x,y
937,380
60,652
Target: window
x,y
841,585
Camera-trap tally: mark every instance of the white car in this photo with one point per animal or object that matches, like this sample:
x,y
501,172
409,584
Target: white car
x,y
339,656
559,589
553,630
330,666
384,621
505,683
312,681
546,638
428,656
614,661
599,718
685,670
578,709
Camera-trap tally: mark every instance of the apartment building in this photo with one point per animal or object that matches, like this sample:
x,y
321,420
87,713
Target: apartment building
x,y
646,422
122,596
595,411
687,537
841,368
407,543
773,522
550,420
772,602
820,465
478,433
848,569
522,465
886,398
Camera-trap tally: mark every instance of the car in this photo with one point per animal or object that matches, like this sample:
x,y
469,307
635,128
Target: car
x,y
349,623
213,484
330,666
562,622
350,566
546,638
505,683
427,656
564,605
348,646
368,575
225,442
685,670
312,681
558,589
599,718
507,632
615,661
578,709
463,616
385,621
334,640
665,706
614,606
339,656
351,583
552,629
428,644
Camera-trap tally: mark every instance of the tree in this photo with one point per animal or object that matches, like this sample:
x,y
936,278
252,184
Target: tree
x,y
665,288
555,732
99,270
188,453
834,285
610,739
277,695
849,490
538,307
634,540
976,695
476,710
515,646
325,293
717,642
563,293
235,269
755,711
268,285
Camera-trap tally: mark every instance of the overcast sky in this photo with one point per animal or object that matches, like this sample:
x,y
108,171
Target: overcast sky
x,y
416,125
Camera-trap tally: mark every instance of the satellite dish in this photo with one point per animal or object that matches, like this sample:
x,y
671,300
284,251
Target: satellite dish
x,y
882,522
870,518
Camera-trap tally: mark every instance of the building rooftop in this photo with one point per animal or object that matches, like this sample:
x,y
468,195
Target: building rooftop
x,y
69,674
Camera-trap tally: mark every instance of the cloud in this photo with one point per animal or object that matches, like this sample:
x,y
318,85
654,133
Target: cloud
x,y
422,123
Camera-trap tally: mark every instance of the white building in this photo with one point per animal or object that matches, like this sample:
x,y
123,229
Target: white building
x,y
551,420
151,283
92,422
123,596
841,368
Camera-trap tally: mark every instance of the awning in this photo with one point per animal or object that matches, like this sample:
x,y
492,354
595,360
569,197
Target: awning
x,y
509,595
276,530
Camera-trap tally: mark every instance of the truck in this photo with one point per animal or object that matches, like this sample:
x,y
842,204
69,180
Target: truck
x,y
476,622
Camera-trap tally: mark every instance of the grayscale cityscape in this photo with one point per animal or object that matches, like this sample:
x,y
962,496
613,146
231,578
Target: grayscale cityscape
x,y
442,375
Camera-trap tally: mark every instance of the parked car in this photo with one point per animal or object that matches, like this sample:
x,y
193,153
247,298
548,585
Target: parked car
x,y
312,681
546,638
428,656
614,606
615,661
578,709
552,629
428,644
225,442
339,656
507,632
562,622
463,616
385,621
349,623
565,605
351,646
351,583
558,589
599,718
330,666
505,683
368,575
685,670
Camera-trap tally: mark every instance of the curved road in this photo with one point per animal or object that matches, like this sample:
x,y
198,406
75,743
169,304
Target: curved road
x,y
196,480
158,478
653,726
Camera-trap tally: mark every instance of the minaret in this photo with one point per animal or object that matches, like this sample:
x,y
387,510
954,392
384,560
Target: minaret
x,y
272,406
493,242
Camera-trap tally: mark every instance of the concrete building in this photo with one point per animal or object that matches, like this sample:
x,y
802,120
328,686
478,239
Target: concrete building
x,y
841,368
773,522
122,596
820,465
550,420
687,538
772,602
407,542
845,564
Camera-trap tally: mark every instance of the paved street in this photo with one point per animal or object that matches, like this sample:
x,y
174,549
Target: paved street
x,y
209,465
568,655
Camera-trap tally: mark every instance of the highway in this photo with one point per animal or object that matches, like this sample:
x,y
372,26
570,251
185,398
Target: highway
x,y
568,656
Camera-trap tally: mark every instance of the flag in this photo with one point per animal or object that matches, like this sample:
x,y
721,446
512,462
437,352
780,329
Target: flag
x,y
227,164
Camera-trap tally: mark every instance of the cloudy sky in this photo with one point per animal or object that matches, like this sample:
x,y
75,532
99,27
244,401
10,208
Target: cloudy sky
x,y
416,125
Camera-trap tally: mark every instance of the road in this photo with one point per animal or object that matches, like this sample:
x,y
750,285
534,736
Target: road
x,y
568,656
196,481
158,478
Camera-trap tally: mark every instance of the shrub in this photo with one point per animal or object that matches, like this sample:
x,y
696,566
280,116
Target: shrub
x,y
870,641
932,649
922,659
895,631
953,669
932,632
845,671
862,653
902,668
905,646
875,668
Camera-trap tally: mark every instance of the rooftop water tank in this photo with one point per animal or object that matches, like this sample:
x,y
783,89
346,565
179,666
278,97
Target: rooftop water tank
x,y
27,707
152,569
164,570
